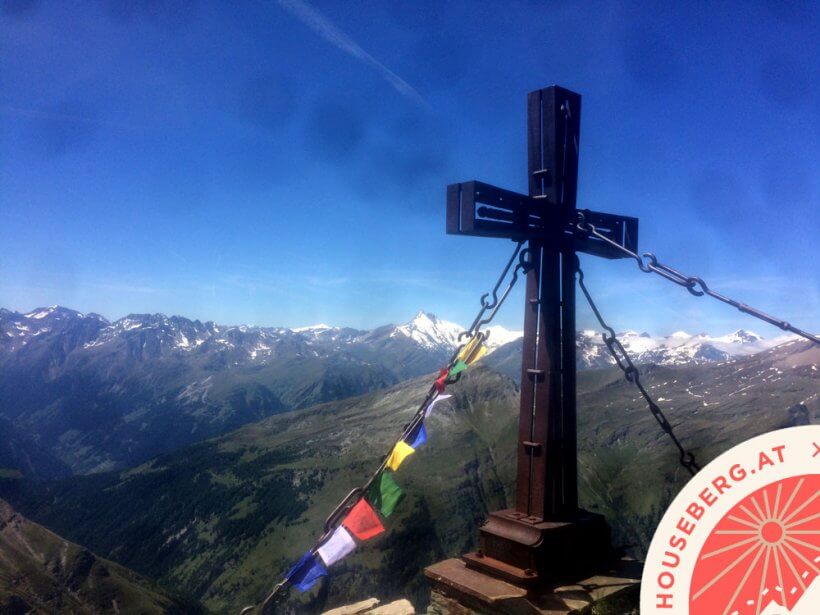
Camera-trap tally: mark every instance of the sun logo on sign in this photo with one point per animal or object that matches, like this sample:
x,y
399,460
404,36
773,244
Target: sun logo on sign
x,y
764,555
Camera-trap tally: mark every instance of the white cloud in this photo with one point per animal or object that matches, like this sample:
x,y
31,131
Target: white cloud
x,y
333,35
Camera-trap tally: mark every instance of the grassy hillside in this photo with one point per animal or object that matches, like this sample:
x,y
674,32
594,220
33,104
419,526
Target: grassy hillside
x,y
222,517
43,573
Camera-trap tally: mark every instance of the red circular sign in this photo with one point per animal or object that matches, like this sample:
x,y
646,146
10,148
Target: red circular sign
x,y
743,536
763,551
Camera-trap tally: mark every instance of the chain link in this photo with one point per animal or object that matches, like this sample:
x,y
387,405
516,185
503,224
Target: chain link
x,y
524,264
272,598
695,285
631,373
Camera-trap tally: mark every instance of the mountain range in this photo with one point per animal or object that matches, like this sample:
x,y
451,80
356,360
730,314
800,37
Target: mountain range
x,y
223,518
80,394
94,395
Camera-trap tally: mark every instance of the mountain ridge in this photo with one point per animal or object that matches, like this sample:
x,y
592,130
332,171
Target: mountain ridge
x,y
425,329
94,395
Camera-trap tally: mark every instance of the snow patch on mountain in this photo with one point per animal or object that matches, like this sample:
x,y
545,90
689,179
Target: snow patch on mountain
x,y
312,328
499,336
677,349
430,332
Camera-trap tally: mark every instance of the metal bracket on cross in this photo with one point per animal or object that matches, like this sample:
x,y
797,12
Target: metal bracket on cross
x,y
479,209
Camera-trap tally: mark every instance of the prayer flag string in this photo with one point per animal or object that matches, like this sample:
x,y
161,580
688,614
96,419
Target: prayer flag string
x,y
357,516
354,516
381,493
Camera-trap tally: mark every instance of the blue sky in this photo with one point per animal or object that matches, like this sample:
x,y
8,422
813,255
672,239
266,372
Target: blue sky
x,y
284,163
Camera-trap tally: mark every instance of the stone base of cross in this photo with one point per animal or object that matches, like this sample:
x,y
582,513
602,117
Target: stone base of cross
x,y
545,537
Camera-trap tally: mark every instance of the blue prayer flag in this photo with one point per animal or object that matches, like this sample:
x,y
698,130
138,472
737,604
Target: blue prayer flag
x,y
417,437
306,572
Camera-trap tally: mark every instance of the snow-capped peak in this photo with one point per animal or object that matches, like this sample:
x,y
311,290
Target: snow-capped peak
x,y
423,319
430,332
320,327
676,349
41,313
741,336
498,336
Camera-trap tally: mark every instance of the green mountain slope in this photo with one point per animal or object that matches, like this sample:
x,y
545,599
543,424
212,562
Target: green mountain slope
x,y
20,455
224,518
42,573
628,469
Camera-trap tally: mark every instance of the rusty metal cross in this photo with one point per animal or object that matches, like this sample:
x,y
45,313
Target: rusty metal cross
x,y
546,484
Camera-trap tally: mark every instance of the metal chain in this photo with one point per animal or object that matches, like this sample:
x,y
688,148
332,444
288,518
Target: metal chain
x,y
624,362
272,598
351,499
693,284
525,264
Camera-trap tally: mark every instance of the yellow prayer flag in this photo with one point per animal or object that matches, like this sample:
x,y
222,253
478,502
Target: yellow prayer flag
x,y
480,352
400,452
474,342
473,351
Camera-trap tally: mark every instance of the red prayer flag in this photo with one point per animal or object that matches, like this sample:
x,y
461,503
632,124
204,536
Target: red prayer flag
x,y
362,521
441,382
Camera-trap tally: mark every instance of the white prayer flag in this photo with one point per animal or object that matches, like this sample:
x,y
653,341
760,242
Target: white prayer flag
x,y
429,410
337,546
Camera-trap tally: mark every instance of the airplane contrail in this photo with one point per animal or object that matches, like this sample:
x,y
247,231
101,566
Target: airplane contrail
x,y
333,35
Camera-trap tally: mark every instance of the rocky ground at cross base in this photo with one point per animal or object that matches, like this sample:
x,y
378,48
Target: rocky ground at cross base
x,y
372,606
441,605
627,605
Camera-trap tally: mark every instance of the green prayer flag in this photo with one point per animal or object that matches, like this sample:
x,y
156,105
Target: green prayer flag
x,y
385,494
459,367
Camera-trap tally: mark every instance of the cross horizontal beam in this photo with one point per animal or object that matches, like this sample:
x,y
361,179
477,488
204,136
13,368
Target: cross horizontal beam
x,y
479,209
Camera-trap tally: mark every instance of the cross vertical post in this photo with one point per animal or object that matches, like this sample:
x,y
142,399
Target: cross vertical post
x,y
545,535
546,485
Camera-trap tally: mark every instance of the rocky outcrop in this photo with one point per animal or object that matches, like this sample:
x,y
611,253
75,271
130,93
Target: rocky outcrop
x,y
372,606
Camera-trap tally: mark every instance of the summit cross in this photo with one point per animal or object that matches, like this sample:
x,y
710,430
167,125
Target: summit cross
x,y
546,524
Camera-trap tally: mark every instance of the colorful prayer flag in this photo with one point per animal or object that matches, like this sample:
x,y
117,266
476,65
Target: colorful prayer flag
x,y
475,356
362,521
470,347
473,350
459,367
337,546
429,410
306,572
385,494
400,452
441,381
417,437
